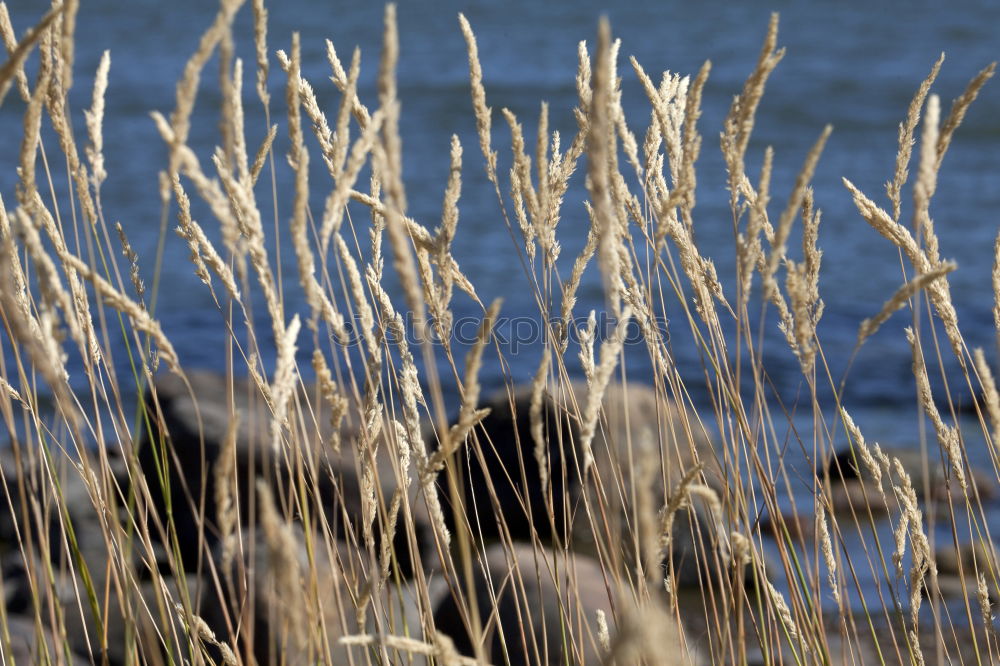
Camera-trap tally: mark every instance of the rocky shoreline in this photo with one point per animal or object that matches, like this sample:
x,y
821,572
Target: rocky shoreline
x,y
552,565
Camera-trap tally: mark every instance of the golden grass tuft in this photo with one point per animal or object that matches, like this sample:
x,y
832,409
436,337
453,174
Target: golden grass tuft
x,y
376,491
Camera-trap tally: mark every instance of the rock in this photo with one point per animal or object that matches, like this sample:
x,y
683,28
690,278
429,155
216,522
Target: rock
x,y
194,424
851,487
642,445
539,607
967,558
502,476
26,478
37,544
400,614
35,644
119,595
272,612
107,639
546,608
800,526
847,495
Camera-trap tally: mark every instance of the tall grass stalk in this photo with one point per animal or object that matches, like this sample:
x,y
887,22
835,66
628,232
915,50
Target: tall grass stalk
x,y
379,501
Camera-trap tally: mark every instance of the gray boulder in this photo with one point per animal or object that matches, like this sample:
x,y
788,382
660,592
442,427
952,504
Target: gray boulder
x,y
32,643
853,487
546,608
643,447
271,607
191,424
52,530
105,636
26,481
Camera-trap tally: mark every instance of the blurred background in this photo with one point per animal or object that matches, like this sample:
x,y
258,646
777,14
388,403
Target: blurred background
x,y
853,65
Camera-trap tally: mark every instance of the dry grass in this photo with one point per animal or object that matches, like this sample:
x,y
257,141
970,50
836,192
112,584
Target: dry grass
x,y
352,504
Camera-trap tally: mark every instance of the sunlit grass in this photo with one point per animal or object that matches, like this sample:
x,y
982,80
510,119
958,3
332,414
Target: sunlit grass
x,y
338,508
